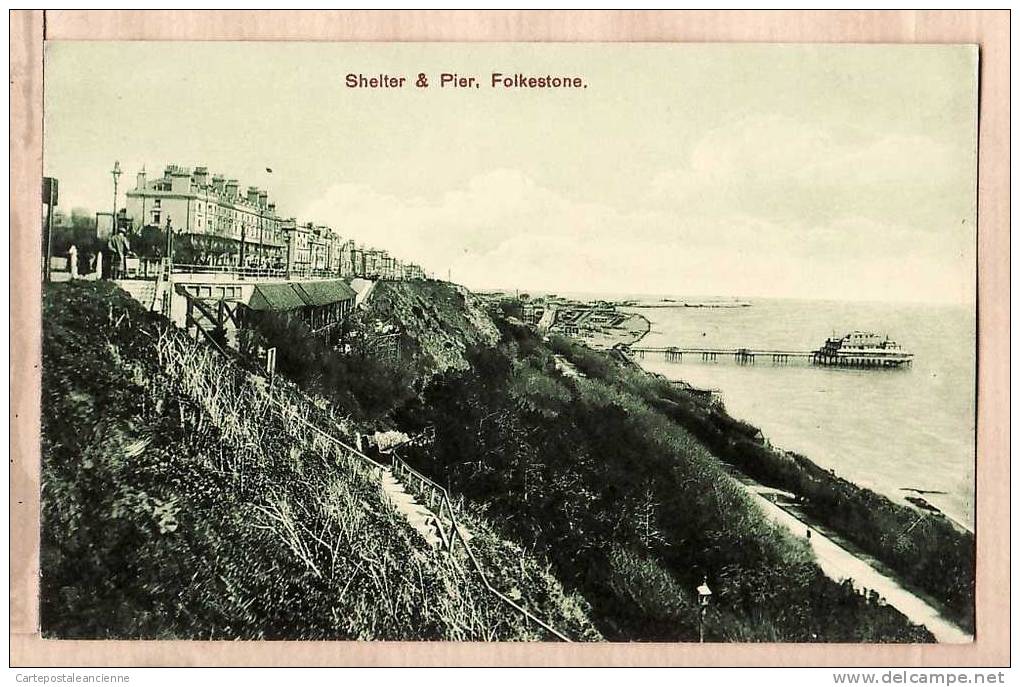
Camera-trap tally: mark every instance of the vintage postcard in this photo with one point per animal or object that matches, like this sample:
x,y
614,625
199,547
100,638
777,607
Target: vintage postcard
x,y
509,342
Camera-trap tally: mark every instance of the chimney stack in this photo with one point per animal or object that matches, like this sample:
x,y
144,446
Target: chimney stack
x,y
180,179
140,183
263,199
201,176
217,182
231,188
253,195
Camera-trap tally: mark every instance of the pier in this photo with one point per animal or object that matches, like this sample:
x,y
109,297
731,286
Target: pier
x,y
752,356
740,356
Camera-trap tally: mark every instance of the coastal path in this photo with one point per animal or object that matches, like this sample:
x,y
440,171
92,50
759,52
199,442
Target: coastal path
x,y
839,564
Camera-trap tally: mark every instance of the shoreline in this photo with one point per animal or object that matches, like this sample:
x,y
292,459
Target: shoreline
x,y
629,332
843,556
907,497
904,495
685,304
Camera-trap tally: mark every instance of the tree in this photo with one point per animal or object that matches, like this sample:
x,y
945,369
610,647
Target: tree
x,y
78,230
150,242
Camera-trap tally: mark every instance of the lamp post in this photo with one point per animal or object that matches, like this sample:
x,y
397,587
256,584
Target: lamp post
x,y
704,596
169,248
116,177
262,222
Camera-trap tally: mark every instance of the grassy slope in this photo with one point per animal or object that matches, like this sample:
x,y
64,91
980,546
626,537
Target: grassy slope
x,y
768,588
925,549
630,507
177,502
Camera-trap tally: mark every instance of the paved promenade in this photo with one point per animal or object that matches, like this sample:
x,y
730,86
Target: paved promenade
x,y
840,564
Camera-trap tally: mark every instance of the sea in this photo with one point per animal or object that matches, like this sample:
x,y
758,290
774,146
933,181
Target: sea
x,y
890,430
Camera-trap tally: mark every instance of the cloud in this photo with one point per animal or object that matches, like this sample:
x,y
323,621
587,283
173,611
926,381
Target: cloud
x,y
775,167
502,229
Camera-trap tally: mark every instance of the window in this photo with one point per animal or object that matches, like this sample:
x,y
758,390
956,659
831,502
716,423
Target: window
x,y
157,203
155,217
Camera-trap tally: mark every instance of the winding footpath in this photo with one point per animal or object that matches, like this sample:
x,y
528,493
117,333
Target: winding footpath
x,y
840,564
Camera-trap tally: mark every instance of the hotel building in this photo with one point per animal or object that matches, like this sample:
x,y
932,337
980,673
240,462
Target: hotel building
x,y
212,220
215,223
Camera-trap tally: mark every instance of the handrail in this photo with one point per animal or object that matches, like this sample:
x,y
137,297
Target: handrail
x,y
256,270
350,449
400,465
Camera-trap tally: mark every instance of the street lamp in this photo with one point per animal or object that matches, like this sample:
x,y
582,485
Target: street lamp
x,y
169,247
116,177
704,596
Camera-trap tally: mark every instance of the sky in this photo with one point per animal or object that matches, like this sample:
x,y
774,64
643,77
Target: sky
x,y
800,171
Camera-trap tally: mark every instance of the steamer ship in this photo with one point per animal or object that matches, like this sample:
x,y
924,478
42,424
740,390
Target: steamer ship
x,y
862,349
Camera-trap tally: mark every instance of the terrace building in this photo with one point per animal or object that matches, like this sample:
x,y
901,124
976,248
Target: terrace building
x,y
213,222
311,247
215,227
346,256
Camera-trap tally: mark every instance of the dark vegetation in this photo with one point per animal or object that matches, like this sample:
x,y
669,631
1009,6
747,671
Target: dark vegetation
x,y
631,509
360,384
928,551
179,502
605,478
79,230
163,464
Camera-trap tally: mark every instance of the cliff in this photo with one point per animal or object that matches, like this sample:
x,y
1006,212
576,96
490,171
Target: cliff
x,y
589,499
182,498
438,322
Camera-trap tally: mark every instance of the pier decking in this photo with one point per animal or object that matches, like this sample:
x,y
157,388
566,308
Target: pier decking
x,y
751,356
741,356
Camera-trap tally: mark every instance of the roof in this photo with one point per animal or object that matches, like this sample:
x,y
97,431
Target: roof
x,y
323,292
294,295
276,296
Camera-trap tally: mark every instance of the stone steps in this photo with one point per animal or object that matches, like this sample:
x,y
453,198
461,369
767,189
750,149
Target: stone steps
x,y
142,290
420,518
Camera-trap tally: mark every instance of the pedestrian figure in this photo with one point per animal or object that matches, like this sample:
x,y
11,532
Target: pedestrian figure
x,y
809,535
119,248
72,261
